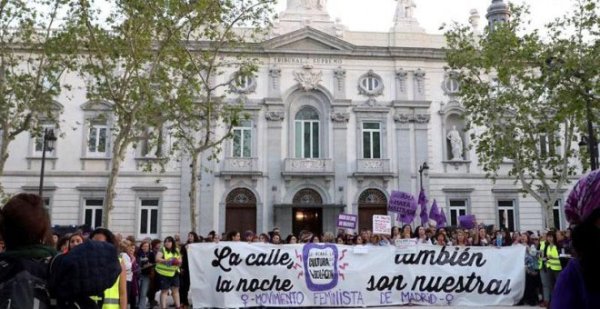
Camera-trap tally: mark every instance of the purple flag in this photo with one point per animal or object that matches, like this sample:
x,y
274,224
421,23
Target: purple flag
x,y
434,213
442,219
423,203
467,221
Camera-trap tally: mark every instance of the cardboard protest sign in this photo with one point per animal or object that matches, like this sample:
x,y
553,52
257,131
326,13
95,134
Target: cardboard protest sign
x,y
346,221
404,204
382,224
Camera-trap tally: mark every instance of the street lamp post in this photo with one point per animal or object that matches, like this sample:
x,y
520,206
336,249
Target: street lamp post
x,y
47,145
422,168
590,140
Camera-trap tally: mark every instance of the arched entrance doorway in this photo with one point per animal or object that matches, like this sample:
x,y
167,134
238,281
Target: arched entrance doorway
x,y
370,202
307,213
240,211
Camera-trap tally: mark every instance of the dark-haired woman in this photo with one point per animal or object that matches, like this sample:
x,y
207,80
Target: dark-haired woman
x,y
421,235
145,259
578,285
406,231
118,292
550,266
168,260
185,268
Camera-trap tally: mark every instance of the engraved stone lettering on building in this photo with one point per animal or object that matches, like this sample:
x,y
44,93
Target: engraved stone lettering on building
x,y
308,78
306,60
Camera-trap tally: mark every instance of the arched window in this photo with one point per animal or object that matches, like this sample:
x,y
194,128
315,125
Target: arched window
x,y
307,197
240,210
307,133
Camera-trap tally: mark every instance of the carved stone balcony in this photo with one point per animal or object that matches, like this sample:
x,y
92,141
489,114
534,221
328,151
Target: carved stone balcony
x,y
373,168
240,167
308,167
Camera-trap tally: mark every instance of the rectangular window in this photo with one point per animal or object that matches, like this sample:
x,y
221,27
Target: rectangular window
x,y
93,212
149,217
307,139
457,208
547,145
506,214
98,140
38,142
557,214
371,140
242,140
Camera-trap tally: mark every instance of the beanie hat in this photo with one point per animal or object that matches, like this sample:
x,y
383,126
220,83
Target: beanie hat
x,y
584,198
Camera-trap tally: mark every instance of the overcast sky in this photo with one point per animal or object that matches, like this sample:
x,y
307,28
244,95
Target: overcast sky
x,y
377,15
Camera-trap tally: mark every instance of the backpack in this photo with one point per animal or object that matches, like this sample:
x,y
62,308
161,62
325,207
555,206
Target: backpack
x,y
23,284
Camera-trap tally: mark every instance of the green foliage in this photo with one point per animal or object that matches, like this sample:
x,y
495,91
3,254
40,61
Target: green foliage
x,y
32,61
524,95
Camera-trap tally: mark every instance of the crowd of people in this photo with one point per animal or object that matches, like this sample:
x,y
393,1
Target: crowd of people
x,y
150,266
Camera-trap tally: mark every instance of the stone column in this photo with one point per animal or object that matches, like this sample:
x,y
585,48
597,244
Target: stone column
x,y
404,150
274,82
275,119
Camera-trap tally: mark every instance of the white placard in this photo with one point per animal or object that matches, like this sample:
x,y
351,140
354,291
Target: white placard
x,y
382,225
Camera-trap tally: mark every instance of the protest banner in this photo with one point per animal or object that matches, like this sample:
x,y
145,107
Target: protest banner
x,y
237,274
346,221
404,204
382,224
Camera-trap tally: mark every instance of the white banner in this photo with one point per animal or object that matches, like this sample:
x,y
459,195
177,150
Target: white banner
x,y
236,274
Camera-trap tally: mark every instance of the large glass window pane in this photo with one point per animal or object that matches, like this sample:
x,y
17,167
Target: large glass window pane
x,y
102,140
299,140
88,217
154,221
237,143
376,145
366,145
315,141
98,219
144,222
92,139
247,138
307,140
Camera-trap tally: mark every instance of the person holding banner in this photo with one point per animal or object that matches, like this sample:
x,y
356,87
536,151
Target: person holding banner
x,y
578,286
406,231
421,236
168,260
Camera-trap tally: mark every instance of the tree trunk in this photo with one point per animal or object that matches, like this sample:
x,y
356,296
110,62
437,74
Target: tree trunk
x,y
117,158
548,208
4,141
194,190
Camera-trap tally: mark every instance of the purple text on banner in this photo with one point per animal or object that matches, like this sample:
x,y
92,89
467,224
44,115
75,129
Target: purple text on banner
x,y
346,221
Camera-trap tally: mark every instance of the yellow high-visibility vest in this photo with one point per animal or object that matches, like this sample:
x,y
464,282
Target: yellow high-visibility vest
x,y
168,270
111,295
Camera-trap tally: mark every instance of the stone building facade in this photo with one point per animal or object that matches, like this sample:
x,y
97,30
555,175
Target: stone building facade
x,y
338,119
